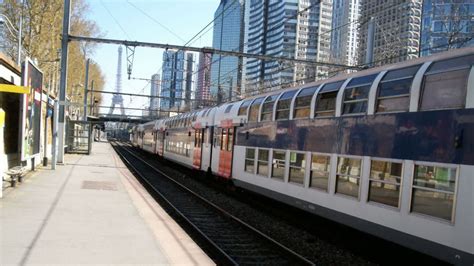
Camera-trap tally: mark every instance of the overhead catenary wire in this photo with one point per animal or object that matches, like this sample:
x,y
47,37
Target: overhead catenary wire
x,y
115,20
275,27
186,43
155,20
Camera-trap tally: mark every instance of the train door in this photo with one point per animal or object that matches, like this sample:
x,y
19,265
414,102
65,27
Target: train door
x,y
206,148
226,149
155,143
142,134
198,141
160,140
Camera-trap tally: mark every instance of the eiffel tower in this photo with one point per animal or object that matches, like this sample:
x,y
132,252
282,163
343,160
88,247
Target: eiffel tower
x,y
117,98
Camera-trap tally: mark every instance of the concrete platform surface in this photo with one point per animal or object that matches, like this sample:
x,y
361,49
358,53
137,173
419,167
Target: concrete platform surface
x,y
91,210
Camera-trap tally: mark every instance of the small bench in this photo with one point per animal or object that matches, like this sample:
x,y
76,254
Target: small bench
x,y
16,174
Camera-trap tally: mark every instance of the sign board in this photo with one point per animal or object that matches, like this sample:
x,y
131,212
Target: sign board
x,y
31,111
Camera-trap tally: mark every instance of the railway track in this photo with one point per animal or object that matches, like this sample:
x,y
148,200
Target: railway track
x,y
228,240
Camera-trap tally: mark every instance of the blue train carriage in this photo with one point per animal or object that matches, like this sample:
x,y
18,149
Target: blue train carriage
x,y
389,151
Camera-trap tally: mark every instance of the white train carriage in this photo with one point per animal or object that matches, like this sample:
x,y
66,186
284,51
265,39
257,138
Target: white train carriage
x,y
179,140
203,133
160,131
137,136
134,135
225,122
148,137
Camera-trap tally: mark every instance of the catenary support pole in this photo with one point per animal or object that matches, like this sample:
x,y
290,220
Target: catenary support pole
x,y
45,144
86,84
92,100
63,80
54,150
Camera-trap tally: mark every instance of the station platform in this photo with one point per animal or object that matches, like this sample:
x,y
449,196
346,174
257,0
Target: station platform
x,y
91,210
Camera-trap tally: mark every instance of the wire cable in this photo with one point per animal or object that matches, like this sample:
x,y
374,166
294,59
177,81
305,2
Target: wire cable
x,y
155,20
116,21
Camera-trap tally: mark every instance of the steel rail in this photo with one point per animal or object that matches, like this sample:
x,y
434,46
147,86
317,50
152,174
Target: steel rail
x,y
220,210
163,197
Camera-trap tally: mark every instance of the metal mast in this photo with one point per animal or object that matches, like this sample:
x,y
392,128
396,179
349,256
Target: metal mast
x,y
117,98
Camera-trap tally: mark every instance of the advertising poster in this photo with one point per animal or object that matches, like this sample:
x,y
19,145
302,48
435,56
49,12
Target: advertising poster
x,y
31,122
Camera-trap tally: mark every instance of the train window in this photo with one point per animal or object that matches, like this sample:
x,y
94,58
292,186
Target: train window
x,y
254,109
348,176
204,136
394,90
302,106
230,139
384,182
267,108
356,95
445,84
297,167
278,165
200,137
319,175
243,107
326,101
224,139
217,137
262,162
196,138
228,108
284,104
433,191
249,160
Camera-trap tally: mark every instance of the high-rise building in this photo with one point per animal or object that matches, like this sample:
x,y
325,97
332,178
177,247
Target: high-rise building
x,y
176,79
154,91
288,28
226,71
189,80
203,93
446,25
345,32
397,29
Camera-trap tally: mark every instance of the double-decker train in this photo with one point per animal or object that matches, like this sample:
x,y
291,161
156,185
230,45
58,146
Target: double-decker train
x,y
388,150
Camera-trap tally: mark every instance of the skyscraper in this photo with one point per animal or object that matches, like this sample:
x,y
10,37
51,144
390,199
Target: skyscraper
x,y
176,84
345,32
286,28
203,94
154,91
189,80
397,29
226,71
446,25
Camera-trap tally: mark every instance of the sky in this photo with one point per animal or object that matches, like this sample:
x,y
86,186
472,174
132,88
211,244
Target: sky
x,y
159,21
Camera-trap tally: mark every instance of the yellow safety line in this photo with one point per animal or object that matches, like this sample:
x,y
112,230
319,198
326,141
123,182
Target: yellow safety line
x,y
14,89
